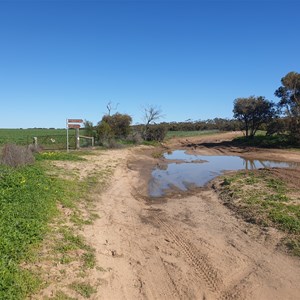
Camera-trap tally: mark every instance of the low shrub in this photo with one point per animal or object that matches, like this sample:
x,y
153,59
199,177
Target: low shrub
x,y
113,144
16,156
135,138
155,133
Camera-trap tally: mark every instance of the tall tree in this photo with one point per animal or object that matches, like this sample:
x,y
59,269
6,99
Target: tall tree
x,y
253,112
289,94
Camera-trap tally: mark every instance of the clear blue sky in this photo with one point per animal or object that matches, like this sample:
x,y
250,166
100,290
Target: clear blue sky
x,y
62,59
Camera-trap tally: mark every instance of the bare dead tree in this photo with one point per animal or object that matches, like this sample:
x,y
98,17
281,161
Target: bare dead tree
x,y
152,114
110,107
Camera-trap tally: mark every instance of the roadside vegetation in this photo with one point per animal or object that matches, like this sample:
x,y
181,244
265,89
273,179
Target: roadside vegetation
x,y
261,140
266,197
42,212
27,203
59,156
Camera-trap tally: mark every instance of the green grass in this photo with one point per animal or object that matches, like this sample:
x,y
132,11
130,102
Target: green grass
x,y
71,241
261,197
89,259
27,202
84,289
67,245
179,134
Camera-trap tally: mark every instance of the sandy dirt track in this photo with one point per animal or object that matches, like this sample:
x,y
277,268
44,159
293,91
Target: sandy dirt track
x,y
185,246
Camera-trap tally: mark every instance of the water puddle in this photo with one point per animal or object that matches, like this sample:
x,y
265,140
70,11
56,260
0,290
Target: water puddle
x,y
184,171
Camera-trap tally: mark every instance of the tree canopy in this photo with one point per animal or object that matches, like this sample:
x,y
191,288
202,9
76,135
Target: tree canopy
x,y
253,112
289,94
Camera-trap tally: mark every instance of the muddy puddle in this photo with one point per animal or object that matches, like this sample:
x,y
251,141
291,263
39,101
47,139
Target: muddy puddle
x,y
184,171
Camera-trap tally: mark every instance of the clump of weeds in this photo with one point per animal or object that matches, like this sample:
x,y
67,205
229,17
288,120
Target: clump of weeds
x,y
84,289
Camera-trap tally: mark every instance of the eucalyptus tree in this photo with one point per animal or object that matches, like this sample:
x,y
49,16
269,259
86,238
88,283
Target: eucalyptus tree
x,y
252,112
289,94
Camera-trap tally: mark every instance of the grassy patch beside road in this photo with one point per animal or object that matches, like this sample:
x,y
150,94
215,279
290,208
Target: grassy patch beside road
x,y
265,198
59,155
42,212
27,203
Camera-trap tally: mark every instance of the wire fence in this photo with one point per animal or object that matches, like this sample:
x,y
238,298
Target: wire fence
x,y
53,142
47,139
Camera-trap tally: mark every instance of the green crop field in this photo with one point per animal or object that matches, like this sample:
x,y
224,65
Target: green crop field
x,y
25,136
172,134
50,138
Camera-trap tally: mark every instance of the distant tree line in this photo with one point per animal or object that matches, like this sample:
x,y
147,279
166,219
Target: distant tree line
x,y
222,124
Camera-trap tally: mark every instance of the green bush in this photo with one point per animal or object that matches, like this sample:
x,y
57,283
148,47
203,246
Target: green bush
x,y
119,124
105,133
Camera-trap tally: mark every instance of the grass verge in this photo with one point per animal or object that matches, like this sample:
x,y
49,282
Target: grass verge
x,y
27,203
66,257
263,198
42,214
58,155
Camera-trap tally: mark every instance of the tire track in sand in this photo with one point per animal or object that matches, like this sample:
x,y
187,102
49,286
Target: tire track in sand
x,y
201,264
198,261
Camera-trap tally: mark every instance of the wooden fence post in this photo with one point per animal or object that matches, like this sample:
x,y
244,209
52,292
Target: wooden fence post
x,y
35,142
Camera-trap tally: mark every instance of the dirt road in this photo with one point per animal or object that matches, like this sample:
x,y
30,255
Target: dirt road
x,y
187,246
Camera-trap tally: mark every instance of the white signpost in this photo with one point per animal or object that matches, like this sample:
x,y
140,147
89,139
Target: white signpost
x,y
75,124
